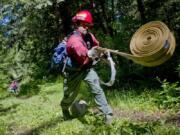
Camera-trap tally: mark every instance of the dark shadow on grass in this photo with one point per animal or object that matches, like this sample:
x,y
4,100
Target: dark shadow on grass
x,y
28,89
44,125
6,110
5,97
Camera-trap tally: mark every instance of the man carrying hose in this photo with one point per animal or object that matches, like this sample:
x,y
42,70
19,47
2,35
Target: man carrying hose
x,y
80,48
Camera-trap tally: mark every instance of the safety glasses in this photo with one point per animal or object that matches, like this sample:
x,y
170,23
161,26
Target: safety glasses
x,y
85,25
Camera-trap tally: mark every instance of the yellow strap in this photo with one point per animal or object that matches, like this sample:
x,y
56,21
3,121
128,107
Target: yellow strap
x,y
151,45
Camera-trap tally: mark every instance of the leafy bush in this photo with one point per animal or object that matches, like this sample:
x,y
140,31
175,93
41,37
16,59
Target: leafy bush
x,y
28,89
146,128
169,97
124,127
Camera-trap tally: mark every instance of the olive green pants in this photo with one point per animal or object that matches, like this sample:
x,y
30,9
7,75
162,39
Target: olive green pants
x,y
71,88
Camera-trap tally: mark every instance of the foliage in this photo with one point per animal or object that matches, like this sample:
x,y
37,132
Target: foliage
x,y
169,96
41,114
29,30
33,28
26,45
28,89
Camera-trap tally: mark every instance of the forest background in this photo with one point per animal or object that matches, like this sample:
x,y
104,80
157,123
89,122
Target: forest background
x,y
30,30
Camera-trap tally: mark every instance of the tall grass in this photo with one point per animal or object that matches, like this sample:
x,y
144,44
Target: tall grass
x,y
131,100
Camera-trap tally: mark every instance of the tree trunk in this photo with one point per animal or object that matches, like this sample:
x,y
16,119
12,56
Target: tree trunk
x,y
112,3
63,13
107,20
141,9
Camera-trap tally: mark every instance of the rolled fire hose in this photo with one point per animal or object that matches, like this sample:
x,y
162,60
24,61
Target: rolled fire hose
x,y
151,45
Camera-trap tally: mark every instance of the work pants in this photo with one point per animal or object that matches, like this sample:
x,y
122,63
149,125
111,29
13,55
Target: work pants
x,y
71,88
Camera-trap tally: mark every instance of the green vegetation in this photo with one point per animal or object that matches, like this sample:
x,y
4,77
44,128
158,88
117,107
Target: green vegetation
x,y
143,104
169,97
134,113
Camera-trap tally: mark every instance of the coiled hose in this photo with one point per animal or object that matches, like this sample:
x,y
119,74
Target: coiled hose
x,y
151,45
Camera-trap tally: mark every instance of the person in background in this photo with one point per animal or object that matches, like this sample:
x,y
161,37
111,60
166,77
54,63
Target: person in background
x,y
13,87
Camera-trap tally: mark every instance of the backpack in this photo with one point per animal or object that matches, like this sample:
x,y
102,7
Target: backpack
x,y
60,57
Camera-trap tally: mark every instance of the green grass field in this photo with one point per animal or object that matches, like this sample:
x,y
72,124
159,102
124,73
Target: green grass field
x,y
40,114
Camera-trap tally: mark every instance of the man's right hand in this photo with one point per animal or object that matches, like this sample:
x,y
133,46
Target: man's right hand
x,y
93,53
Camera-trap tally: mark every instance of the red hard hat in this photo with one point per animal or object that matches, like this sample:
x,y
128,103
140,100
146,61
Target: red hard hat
x,y
84,16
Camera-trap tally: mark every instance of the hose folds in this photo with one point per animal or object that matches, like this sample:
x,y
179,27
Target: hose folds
x,y
152,44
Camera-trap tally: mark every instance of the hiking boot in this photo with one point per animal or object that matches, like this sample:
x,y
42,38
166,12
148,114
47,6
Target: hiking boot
x,y
66,115
108,119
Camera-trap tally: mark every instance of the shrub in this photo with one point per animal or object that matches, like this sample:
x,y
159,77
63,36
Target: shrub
x,y
169,96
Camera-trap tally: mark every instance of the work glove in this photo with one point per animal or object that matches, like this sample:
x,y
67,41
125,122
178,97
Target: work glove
x,y
93,55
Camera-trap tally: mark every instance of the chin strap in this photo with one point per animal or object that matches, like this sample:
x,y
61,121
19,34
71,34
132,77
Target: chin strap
x,y
113,70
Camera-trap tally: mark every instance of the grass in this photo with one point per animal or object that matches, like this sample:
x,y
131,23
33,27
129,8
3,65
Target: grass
x,y
130,100
135,113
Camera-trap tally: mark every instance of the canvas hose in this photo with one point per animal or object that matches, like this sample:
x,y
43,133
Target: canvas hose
x,y
113,71
151,45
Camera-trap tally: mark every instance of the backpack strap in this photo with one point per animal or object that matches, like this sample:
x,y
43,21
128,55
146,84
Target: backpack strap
x,y
64,66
